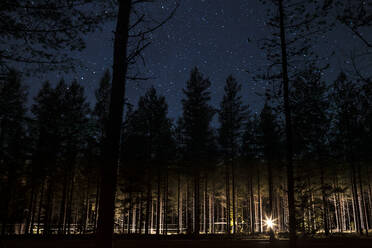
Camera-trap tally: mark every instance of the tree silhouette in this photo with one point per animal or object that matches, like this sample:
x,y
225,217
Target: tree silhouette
x,y
13,147
231,117
197,115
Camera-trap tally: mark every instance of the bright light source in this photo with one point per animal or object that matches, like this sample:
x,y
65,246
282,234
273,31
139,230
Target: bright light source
x,y
270,223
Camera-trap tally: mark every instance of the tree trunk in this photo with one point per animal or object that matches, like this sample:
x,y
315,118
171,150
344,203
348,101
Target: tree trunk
x,y
197,202
158,206
140,214
270,183
233,195
165,222
188,214
252,208
179,206
33,210
324,201
40,206
48,207
365,212
113,128
213,208
28,219
206,215
71,198
148,203
227,175
259,203
288,130
96,206
355,199
62,208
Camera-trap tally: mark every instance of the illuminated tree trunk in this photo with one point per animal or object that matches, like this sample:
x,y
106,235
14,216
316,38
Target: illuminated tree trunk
x,y
134,217
69,203
33,210
86,209
206,216
271,205
197,202
49,206
227,177
179,205
259,203
62,208
30,208
343,211
324,201
233,194
212,209
140,215
152,216
363,201
130,209
348,227
188,206
158,207
252,208
336,213
165,212
357,219
40,206
148,202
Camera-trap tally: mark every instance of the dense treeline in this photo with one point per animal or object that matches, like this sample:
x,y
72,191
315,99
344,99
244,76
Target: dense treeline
x,y
188,176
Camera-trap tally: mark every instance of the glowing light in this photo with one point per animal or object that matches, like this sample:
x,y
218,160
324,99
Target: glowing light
x,y
269,222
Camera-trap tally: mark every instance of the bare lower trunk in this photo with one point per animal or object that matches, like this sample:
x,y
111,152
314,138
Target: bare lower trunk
x,y
252,208
148,203
29,214
165,222
233,196
158,206
355,200
40,206
62,208
197,202
179,205
324,201
227,175
363,202
259,202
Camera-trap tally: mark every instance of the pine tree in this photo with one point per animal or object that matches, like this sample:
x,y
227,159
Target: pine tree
x,y
311,122
47,110
149,147
250,152
296,24
197,115
231,117
13,148
349,130
270,141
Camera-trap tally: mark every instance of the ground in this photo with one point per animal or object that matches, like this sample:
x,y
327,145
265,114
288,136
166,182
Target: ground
x,y
355,243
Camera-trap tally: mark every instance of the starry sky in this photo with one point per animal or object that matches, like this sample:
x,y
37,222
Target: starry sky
x,y
214,35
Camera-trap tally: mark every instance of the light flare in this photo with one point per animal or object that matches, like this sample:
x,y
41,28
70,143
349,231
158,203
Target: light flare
x,y
269,222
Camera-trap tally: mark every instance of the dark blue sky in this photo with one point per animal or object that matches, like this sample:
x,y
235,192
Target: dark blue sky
x,y
210,34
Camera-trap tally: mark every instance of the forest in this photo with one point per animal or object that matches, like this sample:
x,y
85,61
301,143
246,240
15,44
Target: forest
x,y
188,176
298,167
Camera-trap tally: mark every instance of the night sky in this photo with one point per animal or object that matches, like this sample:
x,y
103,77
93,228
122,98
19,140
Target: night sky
x,y
218,36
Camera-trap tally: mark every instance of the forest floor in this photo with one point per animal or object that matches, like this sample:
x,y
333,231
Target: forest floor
x,y
181,243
